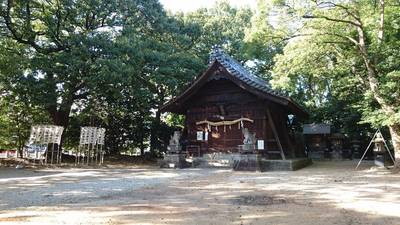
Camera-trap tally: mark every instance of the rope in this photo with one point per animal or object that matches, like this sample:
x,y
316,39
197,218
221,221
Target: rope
x,y
224,122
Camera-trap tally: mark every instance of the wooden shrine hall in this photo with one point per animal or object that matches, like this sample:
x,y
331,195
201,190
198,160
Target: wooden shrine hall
x,y
227,101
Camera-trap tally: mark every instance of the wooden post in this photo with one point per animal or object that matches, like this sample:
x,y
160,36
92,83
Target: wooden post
x,y
271,122
52,153
287,138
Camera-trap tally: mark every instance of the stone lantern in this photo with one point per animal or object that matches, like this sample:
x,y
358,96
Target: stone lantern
x,y
381,154
379,144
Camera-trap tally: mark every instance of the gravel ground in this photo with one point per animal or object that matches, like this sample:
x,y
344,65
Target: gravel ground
x,y
28,188
324,193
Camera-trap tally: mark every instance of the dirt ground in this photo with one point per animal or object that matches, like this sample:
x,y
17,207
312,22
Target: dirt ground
x,y
324,193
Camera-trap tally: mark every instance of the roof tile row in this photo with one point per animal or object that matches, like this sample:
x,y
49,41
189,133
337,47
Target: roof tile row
x,y
236,69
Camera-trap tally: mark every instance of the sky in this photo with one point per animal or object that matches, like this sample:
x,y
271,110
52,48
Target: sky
x,y
191,5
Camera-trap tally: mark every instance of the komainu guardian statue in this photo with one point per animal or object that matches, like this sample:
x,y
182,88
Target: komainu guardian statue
x,y
249,140
174,145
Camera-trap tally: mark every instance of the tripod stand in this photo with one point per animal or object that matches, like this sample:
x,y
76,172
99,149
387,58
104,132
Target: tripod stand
x,y
377,133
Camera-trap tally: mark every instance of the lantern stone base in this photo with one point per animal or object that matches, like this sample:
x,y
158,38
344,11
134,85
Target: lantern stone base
x,y
284,165
383,159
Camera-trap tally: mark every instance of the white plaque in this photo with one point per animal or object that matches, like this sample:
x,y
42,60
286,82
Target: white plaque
x,y
206,136
199,135
260,144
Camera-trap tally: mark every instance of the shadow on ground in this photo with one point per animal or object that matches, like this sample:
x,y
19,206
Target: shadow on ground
x,y
325,193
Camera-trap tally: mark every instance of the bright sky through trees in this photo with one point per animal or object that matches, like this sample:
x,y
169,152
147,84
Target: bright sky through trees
x,y
191,5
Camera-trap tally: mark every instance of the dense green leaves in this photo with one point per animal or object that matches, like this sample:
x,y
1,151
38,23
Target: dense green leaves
x,y
98,63
114,64
345,54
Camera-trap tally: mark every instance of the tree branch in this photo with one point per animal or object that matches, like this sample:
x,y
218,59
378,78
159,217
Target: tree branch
x,y
347,9
352,40
357,24
32,35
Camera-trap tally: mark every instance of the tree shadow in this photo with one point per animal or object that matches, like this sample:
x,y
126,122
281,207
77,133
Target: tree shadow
x,y
326,193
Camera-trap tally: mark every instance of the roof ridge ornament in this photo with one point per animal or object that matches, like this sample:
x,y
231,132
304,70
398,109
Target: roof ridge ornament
x,y
216,51
238,70
217,48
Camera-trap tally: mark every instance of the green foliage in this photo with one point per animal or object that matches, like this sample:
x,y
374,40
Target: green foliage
x,y
107,62
115,63
221,25
99,63
175,120
324,68
17,112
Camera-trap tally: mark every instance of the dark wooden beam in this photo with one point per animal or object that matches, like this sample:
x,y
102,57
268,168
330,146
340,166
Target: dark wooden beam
x,y
271,122
286,134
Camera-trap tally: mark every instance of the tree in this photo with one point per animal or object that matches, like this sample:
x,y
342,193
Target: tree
x,y
17,112
266,37
355,44
246,34
222,25
67,44
84,56
163,65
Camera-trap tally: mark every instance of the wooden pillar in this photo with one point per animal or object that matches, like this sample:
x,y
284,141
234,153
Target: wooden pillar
x,y
285,132
271,122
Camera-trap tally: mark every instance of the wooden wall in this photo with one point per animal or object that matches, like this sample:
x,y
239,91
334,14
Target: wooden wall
x,y
221,97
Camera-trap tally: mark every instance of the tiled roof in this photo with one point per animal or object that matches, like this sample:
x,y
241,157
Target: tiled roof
x,y
237,70
257,85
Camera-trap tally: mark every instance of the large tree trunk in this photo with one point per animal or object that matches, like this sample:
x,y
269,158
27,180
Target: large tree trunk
x,y
373,82
60,117
395,134
154,139
141,139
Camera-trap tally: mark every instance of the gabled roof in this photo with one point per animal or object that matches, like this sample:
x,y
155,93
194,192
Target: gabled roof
x,y
241,76
237,70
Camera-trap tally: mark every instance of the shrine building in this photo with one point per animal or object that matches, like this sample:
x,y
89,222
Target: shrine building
x,y
225,100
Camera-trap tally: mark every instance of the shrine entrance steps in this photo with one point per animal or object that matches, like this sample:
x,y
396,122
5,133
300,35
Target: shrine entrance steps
x,y
235,161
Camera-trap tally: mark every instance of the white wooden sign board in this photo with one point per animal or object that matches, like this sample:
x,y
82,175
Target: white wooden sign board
x,y
260,144
199,135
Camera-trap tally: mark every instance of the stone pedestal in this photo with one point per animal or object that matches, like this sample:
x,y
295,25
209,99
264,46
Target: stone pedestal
x,y
284,165
172,149
383,159
247,162
174,161
215,160
336,155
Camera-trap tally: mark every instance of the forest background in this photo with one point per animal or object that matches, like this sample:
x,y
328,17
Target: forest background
x,y
115,63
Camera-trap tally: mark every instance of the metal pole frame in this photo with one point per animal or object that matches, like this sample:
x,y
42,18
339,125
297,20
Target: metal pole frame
x,y
58,155
366,150
96,153
386,146
102,155
87,153
52,154
60,150
76,155
46,155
